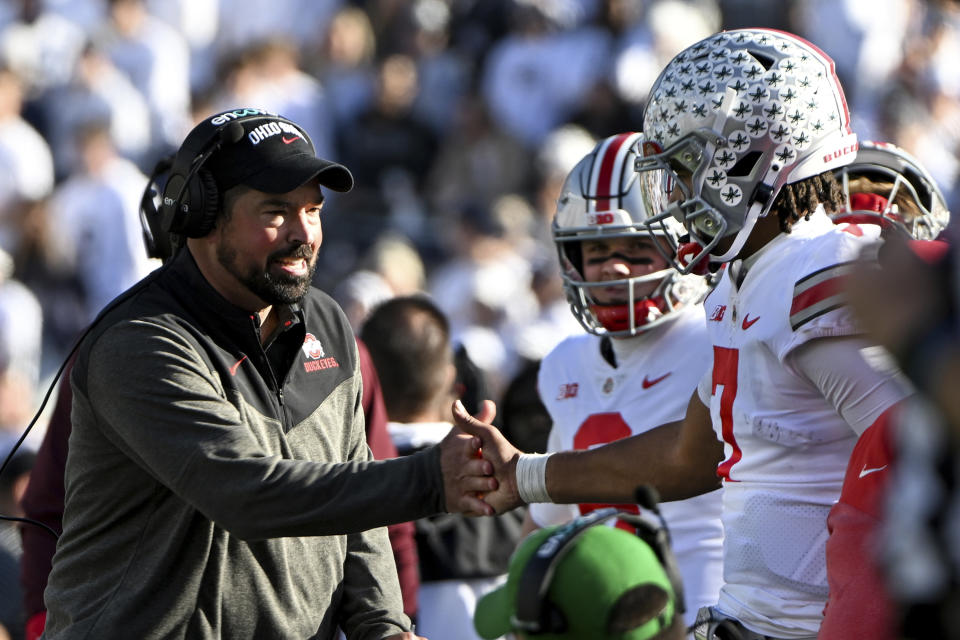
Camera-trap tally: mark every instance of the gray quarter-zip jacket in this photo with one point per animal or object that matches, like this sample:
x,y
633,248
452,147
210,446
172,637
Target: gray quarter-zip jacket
x,y
219,489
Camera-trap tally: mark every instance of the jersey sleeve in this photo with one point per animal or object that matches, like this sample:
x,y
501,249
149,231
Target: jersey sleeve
x,y
848,372
817,307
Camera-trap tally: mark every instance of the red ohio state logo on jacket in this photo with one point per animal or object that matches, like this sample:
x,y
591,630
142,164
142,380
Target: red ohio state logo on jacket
x,y
313,350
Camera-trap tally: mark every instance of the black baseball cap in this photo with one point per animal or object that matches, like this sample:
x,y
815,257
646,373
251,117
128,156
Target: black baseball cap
x,y
269,153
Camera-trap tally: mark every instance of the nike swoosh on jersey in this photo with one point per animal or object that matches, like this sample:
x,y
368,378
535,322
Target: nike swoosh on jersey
x,y
747,322
647,383
865,472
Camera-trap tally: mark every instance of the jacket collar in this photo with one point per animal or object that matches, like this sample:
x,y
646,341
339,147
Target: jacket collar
x,y
195,292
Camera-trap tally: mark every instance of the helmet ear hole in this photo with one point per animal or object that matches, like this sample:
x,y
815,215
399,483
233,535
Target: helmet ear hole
x,y
765,60
745,165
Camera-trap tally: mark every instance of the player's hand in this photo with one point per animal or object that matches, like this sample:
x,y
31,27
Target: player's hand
x,y
497,450
466,475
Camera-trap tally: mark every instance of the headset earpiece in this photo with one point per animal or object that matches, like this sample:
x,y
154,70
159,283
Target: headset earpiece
x,y
191,198
156,240
206,207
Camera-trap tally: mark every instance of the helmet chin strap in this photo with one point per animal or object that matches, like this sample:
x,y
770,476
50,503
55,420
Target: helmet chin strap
x,y
753,214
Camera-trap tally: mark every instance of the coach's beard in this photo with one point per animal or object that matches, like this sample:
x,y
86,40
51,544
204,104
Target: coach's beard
x,y
276,287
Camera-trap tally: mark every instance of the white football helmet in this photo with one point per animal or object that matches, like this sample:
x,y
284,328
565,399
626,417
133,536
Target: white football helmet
x,y
887,163
602,197
734,118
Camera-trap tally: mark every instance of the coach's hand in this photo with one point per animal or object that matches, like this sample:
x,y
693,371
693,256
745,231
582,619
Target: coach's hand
x,y
466,475
497,450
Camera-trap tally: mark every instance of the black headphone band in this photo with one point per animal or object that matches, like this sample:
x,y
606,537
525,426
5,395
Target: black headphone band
x,y
538,573
190,198
534,613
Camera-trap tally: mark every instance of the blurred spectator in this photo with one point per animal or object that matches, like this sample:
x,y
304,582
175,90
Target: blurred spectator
x,y
398,263
41,46
391,267
13,482
55,284
359,293
536,76
88,14
26,165
461,558
197,21
445,75
484,289
96,216
553,321
98,92
477,161
156,59
267,73
866,39
246,21
389,149
649,39
560,151
343,62
21,322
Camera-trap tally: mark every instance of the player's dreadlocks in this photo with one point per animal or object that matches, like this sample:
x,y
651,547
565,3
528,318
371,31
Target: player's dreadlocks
x,y
800,199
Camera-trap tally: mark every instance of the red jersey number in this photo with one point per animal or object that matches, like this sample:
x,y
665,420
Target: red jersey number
x,y
725,363
601,428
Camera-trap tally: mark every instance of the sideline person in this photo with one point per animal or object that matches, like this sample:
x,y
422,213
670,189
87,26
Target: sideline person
x,y
218,481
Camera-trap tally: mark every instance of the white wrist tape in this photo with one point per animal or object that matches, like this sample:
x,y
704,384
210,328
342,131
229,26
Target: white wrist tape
x,y
532,477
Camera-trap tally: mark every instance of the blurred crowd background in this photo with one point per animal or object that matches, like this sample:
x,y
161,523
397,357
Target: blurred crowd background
x,y
458,118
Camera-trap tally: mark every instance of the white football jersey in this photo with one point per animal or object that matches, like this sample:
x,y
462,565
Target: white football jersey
x,y
593,403
786,447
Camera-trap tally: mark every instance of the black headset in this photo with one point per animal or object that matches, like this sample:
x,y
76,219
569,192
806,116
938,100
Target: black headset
x,y
536,614
190,197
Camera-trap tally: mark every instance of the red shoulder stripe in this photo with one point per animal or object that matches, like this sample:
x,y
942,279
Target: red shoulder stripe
x,y
818,293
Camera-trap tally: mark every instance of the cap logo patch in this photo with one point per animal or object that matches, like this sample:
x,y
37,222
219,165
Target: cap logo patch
x,y
226,117
269,129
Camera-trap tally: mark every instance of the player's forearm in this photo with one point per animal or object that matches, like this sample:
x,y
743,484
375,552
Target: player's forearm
x,y
612,473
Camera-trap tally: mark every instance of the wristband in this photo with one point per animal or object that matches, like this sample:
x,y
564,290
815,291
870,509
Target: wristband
x,y
532,477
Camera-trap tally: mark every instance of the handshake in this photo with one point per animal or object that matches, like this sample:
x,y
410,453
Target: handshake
x,y
479,465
